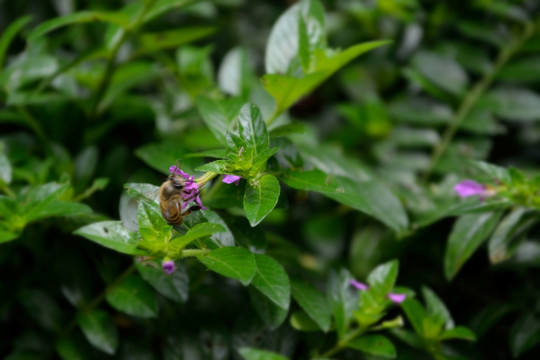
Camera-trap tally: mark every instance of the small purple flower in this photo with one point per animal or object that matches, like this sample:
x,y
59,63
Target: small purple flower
x,y
468,188
168,266
397,298
191,188
229,179
359,285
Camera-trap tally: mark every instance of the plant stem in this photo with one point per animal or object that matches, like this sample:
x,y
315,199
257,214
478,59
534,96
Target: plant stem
x,y
194,252
473,96
343,343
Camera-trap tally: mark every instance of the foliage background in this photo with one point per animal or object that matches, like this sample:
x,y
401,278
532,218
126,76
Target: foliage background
x,y
459,81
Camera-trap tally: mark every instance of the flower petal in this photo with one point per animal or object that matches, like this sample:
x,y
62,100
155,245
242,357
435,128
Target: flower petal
x,y
397,298
468,188
168,266
359,285
229,179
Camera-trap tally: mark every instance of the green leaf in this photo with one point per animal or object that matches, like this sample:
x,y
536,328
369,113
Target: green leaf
x,y
509,233
272,280
436,311
29,69
235,74
5,169
98,328
151,42
525,334
152,225
286,89
220,239
73,347
468,233
373,198
252,129
117,18
261,199
313,303
298,31
526,70
310,180
9,34
473,205
287,129
234,262
41,308
492,171
311,31
302,322
145,192
443,72
165,6
377,345
341,300
459,332
382,278
134,297
420,111
218,166
219,115
112,235
56,208
512,104
174,286
257,354
198,231
415,313
271,314
282,45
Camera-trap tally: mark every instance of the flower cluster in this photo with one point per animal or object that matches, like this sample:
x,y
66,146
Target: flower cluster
x,y
191,188
396,298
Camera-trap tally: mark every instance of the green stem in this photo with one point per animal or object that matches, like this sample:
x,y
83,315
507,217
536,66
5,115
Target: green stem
x,y
194,252
343,342
205,178
472,97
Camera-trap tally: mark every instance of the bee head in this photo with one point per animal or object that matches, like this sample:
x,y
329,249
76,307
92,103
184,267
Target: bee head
x,y
177,181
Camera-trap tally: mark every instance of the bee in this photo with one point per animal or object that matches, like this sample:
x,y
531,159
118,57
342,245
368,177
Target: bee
x,y
171,198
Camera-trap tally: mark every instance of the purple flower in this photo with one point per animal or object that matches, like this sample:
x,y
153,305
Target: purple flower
x,y
359,285
168,266
191,188
397,298
229,179
468,188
